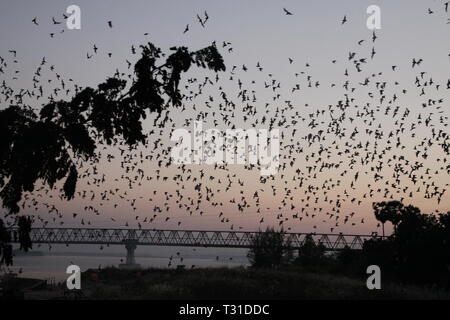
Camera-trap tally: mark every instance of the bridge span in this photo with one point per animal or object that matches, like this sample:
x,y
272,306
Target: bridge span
x,y
131,238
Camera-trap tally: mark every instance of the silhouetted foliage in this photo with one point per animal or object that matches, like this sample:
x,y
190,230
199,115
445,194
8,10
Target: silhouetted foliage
x,y
349,262
270,249
43,146
24,230
418,250
20,234
310,254
5,245
387,211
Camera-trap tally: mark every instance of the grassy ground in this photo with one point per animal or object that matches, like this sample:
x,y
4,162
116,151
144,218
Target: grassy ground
x,y
238,283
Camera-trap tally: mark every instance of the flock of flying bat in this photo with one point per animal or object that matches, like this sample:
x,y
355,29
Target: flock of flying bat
x,y
351,152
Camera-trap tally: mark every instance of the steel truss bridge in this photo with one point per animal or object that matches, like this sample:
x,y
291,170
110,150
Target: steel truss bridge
x,y
188,238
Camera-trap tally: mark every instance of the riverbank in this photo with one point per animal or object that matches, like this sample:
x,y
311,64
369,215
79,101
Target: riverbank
x,y
225,284
239,283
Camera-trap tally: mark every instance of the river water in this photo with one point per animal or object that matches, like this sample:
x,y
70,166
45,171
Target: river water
x,y
50,263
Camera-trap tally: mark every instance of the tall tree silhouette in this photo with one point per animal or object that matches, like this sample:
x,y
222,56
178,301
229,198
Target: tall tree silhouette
x,y
269,249
418,250
388,211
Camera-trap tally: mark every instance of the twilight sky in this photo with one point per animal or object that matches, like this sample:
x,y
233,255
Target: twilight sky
x,y
259,32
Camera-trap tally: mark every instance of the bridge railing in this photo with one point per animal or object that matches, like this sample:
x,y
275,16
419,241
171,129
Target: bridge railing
x,y
191,238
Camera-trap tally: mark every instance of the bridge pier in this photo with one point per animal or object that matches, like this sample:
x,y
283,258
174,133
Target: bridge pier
x,y
130,262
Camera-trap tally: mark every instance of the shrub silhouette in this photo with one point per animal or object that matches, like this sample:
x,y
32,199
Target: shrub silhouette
x,y
270,249
310,254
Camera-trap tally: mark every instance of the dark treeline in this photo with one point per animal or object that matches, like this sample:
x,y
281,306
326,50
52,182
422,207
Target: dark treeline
x,y
418,251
